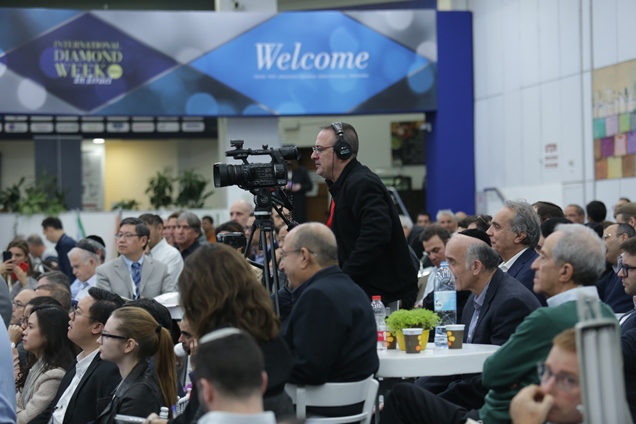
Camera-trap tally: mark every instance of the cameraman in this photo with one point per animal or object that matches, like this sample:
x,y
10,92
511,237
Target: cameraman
x,y
372,249
231,233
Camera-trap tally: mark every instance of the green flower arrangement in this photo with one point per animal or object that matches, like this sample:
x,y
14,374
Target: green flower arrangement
x,y
414,318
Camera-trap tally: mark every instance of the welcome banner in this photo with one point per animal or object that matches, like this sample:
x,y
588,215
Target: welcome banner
x,y
216,64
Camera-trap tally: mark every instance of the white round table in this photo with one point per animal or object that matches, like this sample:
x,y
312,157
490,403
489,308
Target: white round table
x,y
399,364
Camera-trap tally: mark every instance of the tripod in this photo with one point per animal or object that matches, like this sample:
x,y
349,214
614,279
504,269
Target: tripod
x,y
264,203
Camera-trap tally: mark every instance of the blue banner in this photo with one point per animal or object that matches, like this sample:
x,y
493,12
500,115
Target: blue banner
x,y
217,64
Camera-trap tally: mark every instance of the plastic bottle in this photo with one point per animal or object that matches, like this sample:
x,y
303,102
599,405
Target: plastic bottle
x,y
380,314
163,414
445,303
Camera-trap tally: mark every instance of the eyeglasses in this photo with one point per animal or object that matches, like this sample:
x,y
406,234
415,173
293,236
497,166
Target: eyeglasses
x,y
24,321
127,236
110,336
75,313
17,304
563,382
320,149
606,236
624,267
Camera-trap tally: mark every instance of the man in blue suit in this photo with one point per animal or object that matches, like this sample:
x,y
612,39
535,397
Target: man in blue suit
x,y
497,305
514,233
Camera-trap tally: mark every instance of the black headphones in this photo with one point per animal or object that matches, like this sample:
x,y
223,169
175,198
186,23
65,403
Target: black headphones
x,y
342,148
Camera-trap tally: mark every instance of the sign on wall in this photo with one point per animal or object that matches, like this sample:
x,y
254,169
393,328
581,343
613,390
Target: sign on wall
x,y
216,64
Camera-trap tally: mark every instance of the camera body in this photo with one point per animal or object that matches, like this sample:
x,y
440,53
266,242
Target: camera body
x,y
234,240
250,176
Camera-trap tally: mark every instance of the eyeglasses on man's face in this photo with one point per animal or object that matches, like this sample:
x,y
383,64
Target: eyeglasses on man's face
x,y
562,381
126,236
320,149
77,313
621,266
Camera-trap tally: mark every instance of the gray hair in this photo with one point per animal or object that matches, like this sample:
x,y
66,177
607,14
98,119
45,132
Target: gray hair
x,y
319,239
483,253
525,220
192,219
443,212
582,248
84,255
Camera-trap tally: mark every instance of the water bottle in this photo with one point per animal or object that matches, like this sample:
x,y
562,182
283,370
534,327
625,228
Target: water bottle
x,y
380,314
445,303
163,414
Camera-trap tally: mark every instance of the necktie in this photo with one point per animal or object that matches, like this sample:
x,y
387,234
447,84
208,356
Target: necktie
x,y
136,276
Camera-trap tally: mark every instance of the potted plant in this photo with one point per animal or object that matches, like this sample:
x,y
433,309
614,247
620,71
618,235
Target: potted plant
x,y
192,190
414,318
160,189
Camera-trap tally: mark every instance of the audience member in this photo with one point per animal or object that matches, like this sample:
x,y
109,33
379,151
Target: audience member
x,y
626,264
547,210
54,232
372,249
134,275
44,337
218,289
170,227
331,329
130,338
497,305
7,381
547,228
575,213
98,244
626,214
240,211
207,223
621,201
446,218
36,252
482,222
610,288
18,271
187,233
423,219
232,378
558,399
89,378
570,261
596,213
54,278
84,261
514,233
57,291
19,303
159,249
229,227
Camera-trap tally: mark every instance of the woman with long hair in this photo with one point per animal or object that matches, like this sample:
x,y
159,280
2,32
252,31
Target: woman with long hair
x,y
130,338
18,271
52,354
218,289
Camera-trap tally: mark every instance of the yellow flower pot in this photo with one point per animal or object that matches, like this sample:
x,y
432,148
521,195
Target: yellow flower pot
x,y
400,338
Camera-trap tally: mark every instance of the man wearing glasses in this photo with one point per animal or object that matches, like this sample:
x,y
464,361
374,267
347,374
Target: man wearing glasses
x,y
90,378
372,248
134,275
626,272
610,288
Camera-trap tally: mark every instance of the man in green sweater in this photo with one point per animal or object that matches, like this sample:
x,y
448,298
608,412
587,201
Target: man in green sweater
x,y
570,262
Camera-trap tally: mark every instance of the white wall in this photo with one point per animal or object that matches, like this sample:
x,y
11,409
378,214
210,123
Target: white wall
x,y
533,77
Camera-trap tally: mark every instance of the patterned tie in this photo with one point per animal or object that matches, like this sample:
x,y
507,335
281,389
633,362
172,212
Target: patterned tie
x,y
136,276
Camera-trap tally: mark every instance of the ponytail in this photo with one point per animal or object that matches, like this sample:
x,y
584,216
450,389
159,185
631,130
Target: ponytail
x,y
166,369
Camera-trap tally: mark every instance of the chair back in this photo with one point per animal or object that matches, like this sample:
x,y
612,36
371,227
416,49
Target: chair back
x,y
333,395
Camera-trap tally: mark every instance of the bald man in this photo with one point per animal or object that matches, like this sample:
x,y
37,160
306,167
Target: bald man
x,y
331,329
240,211
497,305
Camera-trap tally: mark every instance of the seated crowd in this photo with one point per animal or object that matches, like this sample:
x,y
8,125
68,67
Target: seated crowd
x,y
87,339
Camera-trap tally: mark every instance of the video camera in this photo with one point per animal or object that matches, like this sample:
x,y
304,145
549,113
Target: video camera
x,y
254,175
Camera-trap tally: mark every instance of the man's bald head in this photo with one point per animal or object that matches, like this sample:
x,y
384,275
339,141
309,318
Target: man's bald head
x,y
319,239
240,211
472,262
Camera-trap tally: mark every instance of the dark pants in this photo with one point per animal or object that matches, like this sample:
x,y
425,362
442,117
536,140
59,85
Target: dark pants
x,y
408,403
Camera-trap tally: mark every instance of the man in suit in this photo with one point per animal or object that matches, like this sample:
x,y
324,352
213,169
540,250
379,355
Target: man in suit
x,y
627,274
54,232
514,233
497,305
90,378
330,330
134,275
159,248
610,287
561,273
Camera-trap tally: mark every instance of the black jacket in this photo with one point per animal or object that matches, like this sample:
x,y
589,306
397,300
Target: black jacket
x,y
372,248
99,381
138,395
331,331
